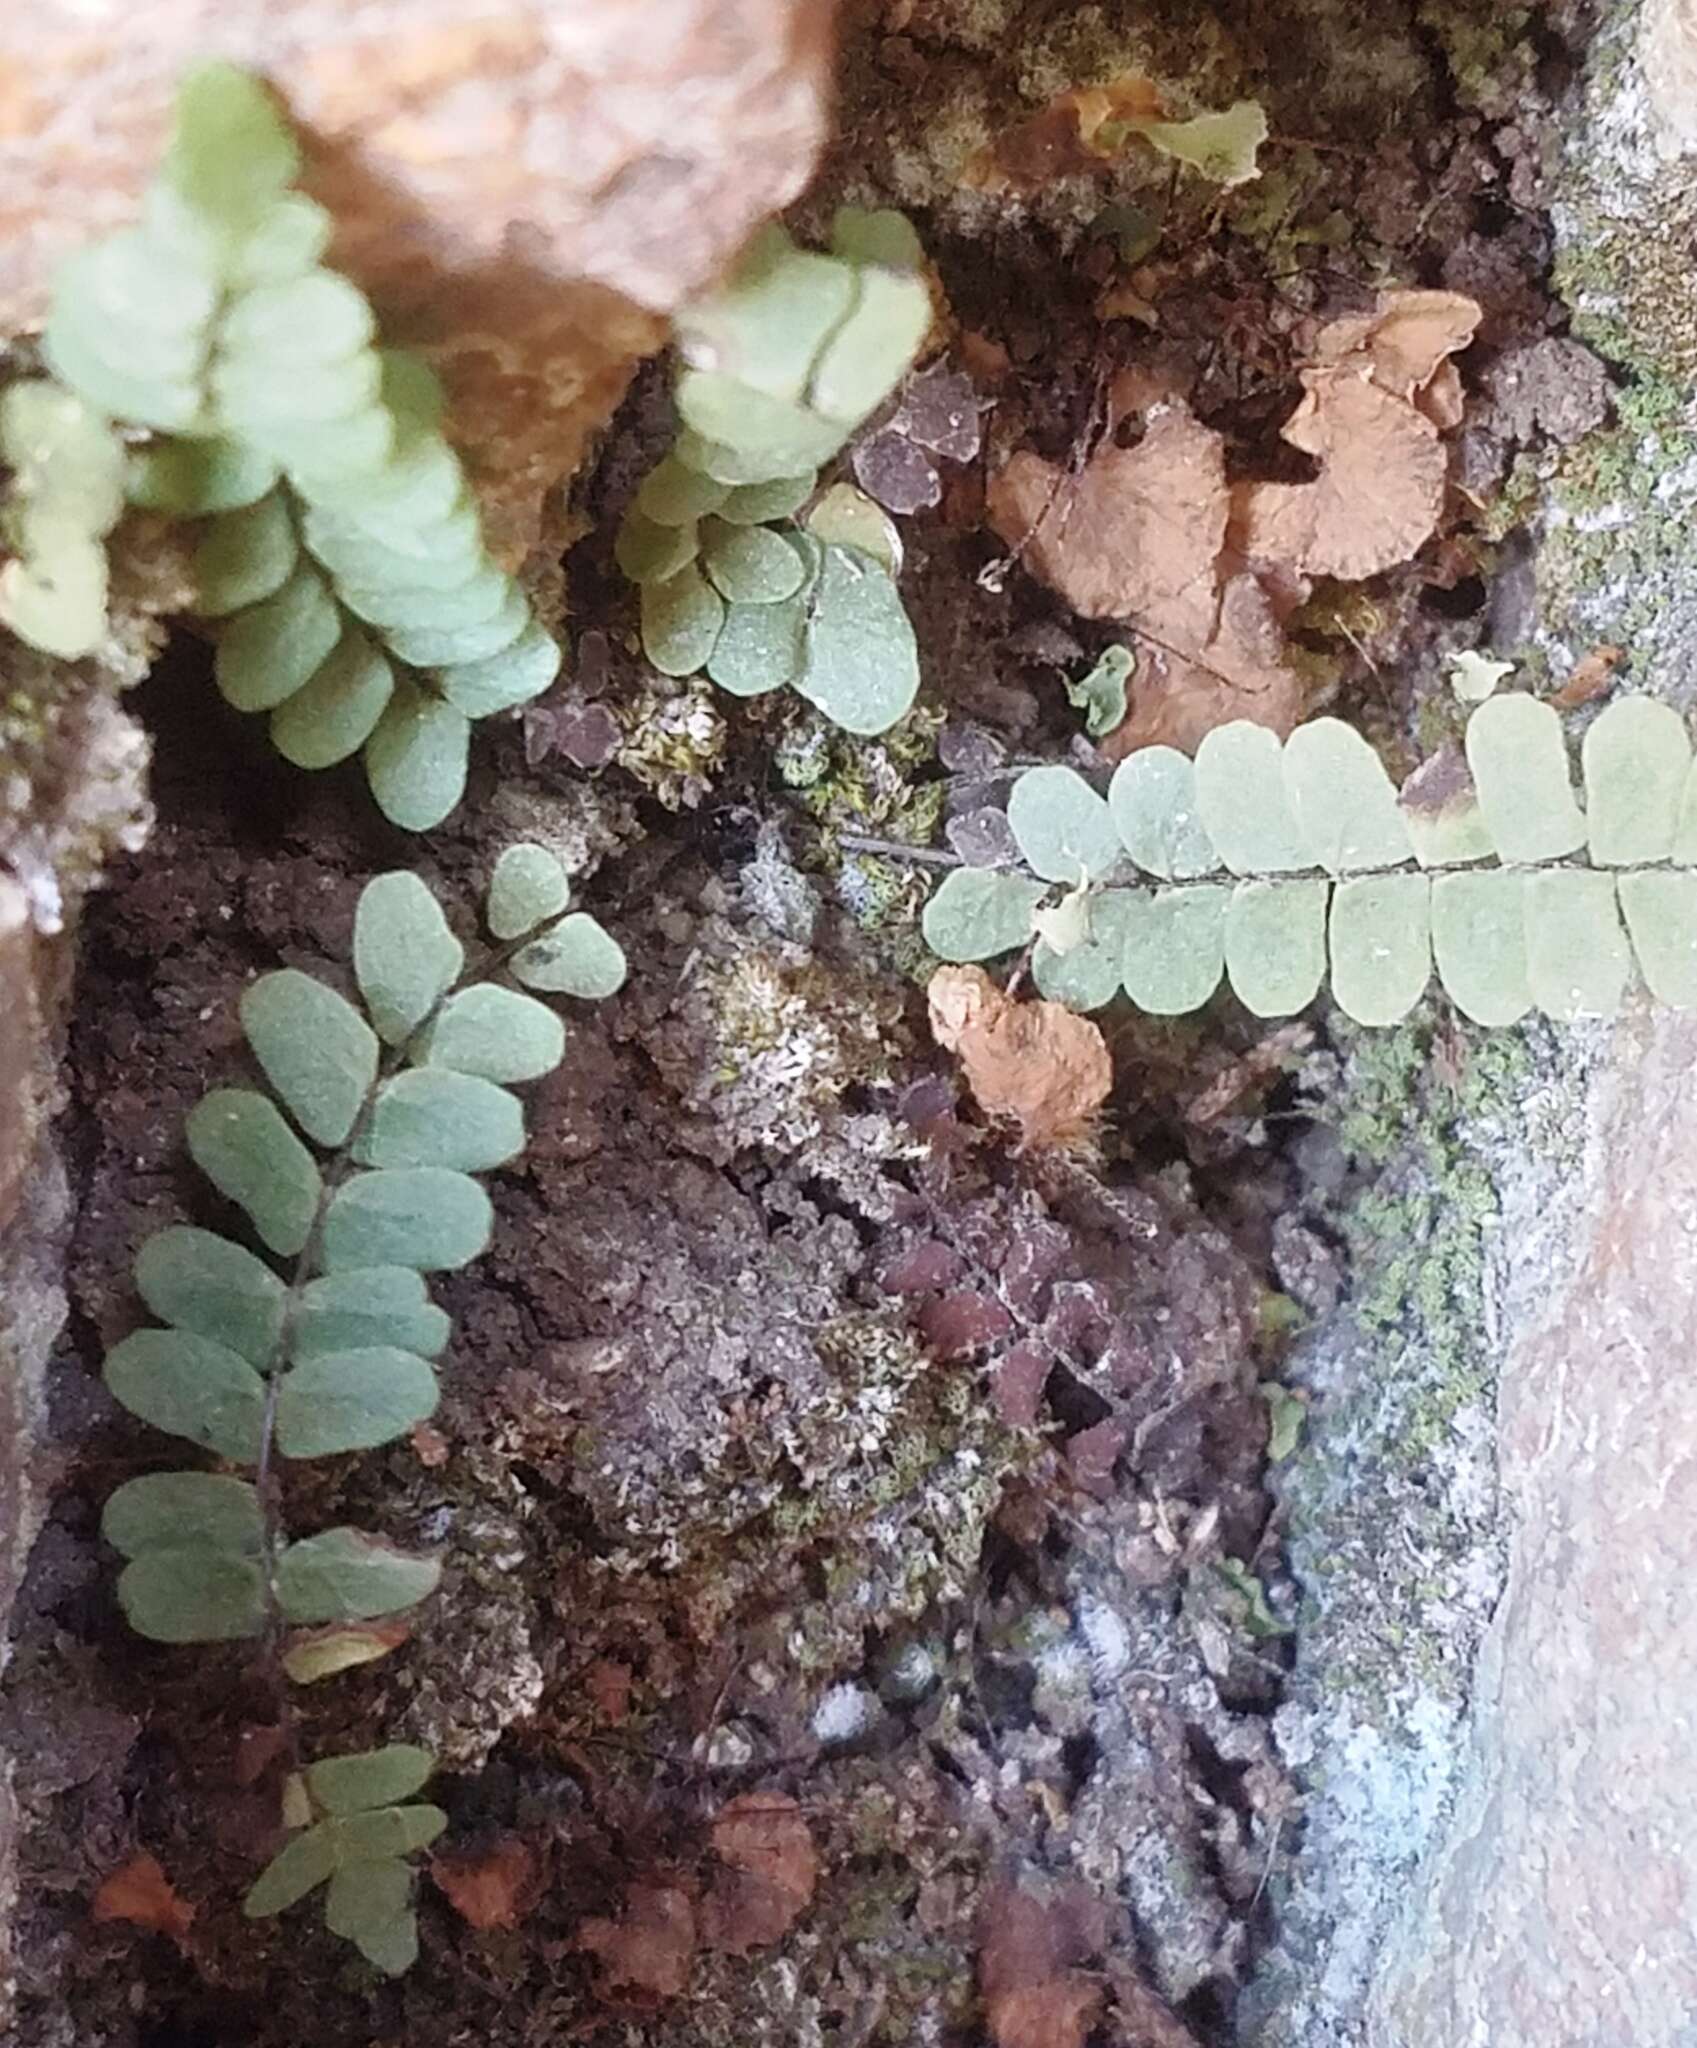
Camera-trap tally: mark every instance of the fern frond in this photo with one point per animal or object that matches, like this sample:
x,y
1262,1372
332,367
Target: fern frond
x,y
356,1167
1473,871
345,550
781,366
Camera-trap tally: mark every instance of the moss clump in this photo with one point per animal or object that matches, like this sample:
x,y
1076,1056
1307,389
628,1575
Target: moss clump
x,y
674,740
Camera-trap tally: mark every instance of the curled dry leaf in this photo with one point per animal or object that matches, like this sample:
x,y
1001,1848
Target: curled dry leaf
x,y
1138,534
141,1893
649,1948
1404,342
768,1868
1375,400
493,1890
1036,1062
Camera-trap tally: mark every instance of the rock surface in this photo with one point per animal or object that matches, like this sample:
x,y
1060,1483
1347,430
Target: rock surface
x,y
1498,1848
1558,1912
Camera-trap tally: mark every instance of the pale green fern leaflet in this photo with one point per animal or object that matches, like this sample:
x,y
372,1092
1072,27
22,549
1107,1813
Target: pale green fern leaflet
x,y
1484,869
344,554
356,1172
782,365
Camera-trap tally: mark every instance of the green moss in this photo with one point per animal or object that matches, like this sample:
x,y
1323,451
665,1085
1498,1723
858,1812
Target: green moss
x,y
674,740
1481,44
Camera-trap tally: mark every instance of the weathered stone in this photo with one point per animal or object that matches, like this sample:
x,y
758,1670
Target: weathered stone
x,y
1498,1848
1669,58
1558,1913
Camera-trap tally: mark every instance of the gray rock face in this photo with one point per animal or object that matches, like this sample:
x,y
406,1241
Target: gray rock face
x,y
1558,1912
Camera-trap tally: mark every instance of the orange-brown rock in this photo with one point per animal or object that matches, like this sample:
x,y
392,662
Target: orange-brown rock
x,y
521,188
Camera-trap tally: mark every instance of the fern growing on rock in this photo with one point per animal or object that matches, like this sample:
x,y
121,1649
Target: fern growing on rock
x,y
781,366
1484,868
356,1172
343,555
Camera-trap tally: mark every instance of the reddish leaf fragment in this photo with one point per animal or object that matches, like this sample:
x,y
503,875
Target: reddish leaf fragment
x,y
493,1890
1592,676
649,1949
608,1685
1035,1996
1055,2014
140,1892
768,1871
960,1324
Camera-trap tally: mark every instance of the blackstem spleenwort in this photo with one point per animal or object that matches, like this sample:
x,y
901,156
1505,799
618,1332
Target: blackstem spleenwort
x,y
356,1174
1484,867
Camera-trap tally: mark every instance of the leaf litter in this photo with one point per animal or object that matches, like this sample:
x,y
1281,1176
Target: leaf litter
x,y
1152,533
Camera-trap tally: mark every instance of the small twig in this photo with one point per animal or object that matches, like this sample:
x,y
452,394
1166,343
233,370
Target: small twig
x,y
895,849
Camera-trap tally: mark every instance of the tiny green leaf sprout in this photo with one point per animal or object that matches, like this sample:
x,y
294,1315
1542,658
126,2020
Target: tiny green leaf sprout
x,y
355,1838
343,552
1485,867
356,1174
781,366
64,496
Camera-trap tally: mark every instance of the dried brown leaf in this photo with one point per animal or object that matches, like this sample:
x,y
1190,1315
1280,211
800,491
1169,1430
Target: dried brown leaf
x,y
1055,2014
1591,677
1134,529
1035,1996
496,1889
768,1871
1404,342
1377,497
141,1893
1138,535
1375,398
1056,141
649,1949
1205,662
1035,1062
